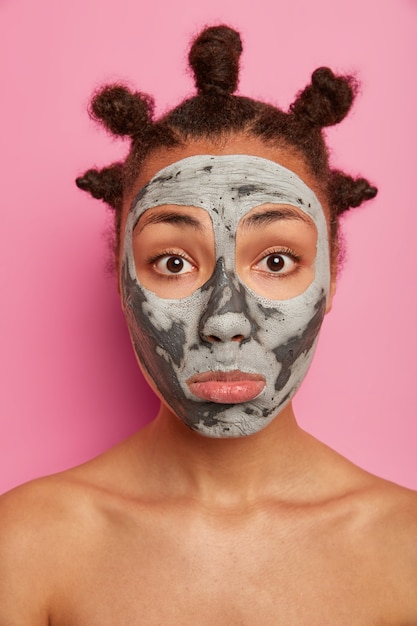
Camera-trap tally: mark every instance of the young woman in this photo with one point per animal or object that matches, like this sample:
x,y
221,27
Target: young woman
x,y
222,511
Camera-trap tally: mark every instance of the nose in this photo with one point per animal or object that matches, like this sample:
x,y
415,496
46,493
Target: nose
x,y
225,317
227,327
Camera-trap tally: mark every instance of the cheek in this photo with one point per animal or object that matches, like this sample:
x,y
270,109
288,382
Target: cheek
x,y
159,334
289,328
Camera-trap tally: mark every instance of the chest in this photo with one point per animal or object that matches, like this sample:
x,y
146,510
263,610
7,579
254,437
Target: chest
x,y
237,574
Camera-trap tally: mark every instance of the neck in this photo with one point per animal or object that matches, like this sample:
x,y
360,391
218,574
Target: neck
x,y
226,471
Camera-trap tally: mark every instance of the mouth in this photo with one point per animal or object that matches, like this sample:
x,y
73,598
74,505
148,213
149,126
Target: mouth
x,y
232,387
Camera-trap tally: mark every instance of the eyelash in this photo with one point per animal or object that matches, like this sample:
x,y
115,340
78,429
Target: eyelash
x,y
151,260
281,252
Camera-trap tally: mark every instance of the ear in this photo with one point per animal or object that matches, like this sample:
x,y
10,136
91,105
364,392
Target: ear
x,y
332,292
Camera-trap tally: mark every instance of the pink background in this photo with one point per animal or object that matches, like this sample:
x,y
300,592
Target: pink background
x,y
70,385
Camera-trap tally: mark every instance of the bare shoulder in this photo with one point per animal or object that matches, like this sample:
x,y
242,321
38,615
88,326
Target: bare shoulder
x,y
381,511
374,524
44,525
396,516
377,505
391,509
385,526
31,529
59,506
369,533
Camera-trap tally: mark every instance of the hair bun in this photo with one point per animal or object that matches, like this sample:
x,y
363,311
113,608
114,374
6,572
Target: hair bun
x,y
105,184
122,112
347,192
327,100
214,59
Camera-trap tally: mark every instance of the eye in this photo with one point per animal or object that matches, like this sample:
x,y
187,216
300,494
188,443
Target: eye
x,y
277,263
173,264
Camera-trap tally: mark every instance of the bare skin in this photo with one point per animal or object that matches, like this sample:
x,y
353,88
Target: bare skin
x,y
173,528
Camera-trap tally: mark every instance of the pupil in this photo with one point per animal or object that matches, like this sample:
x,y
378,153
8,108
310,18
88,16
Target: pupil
x,y
175,264
275,263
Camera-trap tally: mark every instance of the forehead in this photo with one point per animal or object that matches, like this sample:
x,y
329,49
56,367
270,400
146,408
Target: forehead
x,y
227,186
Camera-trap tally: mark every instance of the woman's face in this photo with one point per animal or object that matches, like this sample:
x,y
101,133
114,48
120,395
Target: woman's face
x,y
225,280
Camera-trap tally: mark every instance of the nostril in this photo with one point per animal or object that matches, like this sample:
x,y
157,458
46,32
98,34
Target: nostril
x,y
214,339
229,326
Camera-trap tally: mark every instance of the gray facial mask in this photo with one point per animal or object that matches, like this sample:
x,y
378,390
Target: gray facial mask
x,y
170,335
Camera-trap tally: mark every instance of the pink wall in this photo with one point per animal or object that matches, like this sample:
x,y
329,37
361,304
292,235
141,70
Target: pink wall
x,y
70,386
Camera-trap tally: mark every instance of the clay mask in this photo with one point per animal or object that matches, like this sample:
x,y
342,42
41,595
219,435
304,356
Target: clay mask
x,y
186,343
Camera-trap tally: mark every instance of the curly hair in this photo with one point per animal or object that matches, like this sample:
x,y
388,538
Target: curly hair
x,y
216,112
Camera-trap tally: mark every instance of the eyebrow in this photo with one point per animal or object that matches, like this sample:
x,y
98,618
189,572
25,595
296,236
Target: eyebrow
x,y
168,217
273,215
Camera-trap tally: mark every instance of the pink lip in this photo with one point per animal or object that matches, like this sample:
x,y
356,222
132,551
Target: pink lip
x,y
226,387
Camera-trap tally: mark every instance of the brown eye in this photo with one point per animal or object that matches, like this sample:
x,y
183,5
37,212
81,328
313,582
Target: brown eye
x,y
275,262
281,263
173,264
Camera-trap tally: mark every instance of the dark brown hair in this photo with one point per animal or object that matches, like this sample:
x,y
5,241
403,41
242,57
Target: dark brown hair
x,y
216,112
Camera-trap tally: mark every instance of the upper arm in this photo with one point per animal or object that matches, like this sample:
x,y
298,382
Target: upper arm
x,y
23,566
